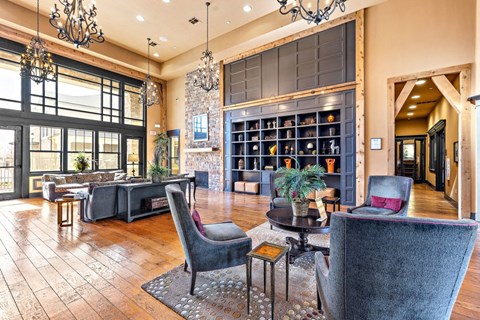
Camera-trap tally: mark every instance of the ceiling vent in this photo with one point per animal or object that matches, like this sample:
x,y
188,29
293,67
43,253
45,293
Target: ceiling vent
x,y
193,20
427,102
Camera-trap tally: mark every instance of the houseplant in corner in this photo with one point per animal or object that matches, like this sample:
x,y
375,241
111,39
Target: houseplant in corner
x,y
161,148
156,171
295,184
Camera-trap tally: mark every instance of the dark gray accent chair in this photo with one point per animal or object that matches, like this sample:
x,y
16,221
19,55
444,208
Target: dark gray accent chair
x,y
387,187
393,267
275,200
224,246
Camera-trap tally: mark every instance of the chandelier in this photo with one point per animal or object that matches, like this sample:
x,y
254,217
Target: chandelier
x,y
310,14
36,61
149,94
80,27
206,77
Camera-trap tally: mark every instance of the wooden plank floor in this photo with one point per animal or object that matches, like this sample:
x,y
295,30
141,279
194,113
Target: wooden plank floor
x,y
94,270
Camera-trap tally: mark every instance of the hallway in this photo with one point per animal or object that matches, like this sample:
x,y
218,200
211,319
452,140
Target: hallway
x,y
428,203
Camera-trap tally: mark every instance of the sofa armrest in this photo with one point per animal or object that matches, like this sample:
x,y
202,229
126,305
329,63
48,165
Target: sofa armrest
x,y
48,190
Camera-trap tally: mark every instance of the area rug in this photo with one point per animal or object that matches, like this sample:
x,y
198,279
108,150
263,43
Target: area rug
x,y
222,294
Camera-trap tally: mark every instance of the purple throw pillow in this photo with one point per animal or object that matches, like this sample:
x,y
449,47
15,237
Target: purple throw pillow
x,y
377,202
198,222
394,204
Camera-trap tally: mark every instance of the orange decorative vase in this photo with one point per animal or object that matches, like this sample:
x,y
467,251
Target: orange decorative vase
x,y
288,163
330,165
331,118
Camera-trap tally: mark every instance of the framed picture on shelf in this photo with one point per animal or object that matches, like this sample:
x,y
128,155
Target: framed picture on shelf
x,y
200,127
455,151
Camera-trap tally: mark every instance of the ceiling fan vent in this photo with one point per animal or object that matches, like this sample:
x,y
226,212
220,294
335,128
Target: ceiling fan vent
x,y
193,20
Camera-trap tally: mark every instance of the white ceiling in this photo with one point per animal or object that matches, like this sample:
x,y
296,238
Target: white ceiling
x,y
119,23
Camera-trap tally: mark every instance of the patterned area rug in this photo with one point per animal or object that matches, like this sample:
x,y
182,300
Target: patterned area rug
x,y
222,294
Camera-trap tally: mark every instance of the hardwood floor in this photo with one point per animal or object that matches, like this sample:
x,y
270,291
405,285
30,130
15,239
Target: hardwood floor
x,y
94,270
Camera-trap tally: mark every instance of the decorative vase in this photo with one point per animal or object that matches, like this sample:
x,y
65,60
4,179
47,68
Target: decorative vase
x,y
240,137
300,208
241,164
156,178
331,118
289,134
330,165
331,131
288,163
273,150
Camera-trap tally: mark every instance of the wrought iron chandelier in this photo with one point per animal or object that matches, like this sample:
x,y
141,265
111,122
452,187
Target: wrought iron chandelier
x,y
36,62
149,94
310,14
206,78
80,26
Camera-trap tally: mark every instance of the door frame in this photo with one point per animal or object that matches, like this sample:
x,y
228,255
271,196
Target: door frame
x,y
17,165
459,101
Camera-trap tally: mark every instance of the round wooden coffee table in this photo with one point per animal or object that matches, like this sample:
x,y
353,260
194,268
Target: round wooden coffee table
x,y
284,219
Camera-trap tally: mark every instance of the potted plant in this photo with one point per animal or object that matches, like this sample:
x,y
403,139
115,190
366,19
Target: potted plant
x,y
81,162
156,171
161,147
295,184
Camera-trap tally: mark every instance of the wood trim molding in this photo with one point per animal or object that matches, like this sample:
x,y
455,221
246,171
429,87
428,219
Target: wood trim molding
x,y
462,106
402,98
360,104
293,37
293,96
71,53
200,150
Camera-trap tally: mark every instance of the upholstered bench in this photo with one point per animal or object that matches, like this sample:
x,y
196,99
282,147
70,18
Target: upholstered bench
x,y
239,186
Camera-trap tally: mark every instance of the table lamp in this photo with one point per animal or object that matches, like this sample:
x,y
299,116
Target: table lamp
x,y
133,157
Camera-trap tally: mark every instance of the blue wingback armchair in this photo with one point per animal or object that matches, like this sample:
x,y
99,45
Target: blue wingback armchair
x,y
386,187
393,267
225,244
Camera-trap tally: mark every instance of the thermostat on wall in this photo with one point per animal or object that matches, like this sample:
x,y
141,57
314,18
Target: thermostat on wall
x,y
376,144
153,132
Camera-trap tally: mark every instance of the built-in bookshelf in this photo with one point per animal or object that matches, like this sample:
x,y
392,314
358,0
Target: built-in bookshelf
x,y
311,134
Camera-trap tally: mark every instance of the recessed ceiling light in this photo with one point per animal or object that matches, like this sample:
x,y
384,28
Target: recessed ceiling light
x,y
415,97
412,107
247,8
140,18
228,22
166,1
420,82
174,47
163,39
156,54
410,114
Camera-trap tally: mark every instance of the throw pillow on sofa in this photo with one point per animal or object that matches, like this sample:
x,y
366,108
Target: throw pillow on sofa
x,y
59,180
120,176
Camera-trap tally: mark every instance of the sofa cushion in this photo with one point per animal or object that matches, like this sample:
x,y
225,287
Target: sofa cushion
x,y
374,210
59,180
66,186
120,176
108,176
223,231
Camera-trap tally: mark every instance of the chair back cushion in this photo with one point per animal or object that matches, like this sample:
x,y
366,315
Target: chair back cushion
x,y
397,267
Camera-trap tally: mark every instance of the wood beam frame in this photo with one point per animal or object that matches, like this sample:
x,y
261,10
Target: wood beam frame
x,y
459,101
360,105
402,98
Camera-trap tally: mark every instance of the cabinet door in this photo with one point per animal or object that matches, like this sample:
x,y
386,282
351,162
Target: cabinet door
x,y
253,80
306,63
270,73
348,145
331,56
286,68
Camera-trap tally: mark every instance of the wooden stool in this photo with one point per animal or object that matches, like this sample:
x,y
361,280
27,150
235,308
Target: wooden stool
x,y
67,221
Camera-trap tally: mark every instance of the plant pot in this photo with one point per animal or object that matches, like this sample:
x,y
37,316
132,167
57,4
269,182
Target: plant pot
x,y
300,208
156,179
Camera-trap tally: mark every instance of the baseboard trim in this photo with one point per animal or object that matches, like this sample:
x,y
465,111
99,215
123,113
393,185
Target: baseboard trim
x,y
452,202
430,185
475,216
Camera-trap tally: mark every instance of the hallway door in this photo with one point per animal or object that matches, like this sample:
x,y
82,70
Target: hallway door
x,y
10,162
410,157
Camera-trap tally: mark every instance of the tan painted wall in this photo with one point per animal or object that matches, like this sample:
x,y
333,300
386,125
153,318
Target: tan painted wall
x,y
402,41
443,110
411,127
176,112
476,118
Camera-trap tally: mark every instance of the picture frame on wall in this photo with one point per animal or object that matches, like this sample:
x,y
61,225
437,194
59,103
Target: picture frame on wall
x,y
455,151
200,127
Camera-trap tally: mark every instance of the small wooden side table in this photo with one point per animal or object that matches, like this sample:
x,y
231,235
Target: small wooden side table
x,y
333,201
272,253
67,220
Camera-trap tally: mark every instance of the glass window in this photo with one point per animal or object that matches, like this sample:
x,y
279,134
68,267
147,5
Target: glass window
x,y
79,141
174,151
133,157
108,150
10,81
133,108
45,149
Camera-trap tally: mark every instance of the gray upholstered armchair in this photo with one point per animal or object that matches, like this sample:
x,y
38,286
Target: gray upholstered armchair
x,y
275,200
419,278
387,187
225,244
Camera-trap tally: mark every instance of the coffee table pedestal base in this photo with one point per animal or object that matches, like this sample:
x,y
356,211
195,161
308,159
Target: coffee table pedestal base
x,y
300,247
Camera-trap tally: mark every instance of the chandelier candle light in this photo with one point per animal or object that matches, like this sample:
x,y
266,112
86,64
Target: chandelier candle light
x,y
80,27
36,61
310,14
207,78
149,94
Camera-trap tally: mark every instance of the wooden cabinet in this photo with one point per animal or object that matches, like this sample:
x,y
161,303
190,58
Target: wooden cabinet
x,y
319,60
311,130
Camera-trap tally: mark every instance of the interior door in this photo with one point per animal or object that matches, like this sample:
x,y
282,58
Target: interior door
x,y
410,158
10,162
440,163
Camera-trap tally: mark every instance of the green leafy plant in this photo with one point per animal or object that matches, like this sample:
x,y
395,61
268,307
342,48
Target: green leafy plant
x,y
81,162
156,171
295,184
161,147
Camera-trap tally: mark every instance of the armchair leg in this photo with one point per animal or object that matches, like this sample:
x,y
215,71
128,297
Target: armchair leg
x,y
185,266
319,302
192,283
